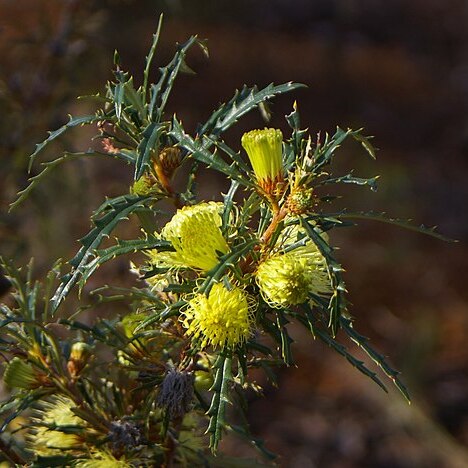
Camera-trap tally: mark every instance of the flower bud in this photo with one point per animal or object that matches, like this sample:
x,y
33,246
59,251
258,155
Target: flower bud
x,y
144,186
79,356
203,380
264,148
169,160
300,201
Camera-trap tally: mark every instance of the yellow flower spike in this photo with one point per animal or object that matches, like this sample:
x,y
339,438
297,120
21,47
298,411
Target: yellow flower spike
x,y
195,233
265,151
56,413
20,374
289,278
223,318
101,459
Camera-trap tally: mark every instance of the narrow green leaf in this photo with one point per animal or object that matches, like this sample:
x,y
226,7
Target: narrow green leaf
x,y
228,260
118,93
242,102
350,179
308,322
383,218
51,165
73,122
362,342
286,340
103,227
161,315
365,142
229,203
169,73
259,444
340,349
324,153
338,300
148,144
149,58
199,150
217,410
123,247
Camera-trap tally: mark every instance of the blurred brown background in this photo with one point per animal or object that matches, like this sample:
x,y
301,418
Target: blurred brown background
x,y
399,69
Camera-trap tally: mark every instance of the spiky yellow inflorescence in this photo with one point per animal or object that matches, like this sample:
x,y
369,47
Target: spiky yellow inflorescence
x,y
101,459
223,318
20,374
54,418
264,148
195,233
289,278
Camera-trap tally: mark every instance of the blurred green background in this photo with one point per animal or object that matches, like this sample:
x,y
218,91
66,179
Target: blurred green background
x,y
399,69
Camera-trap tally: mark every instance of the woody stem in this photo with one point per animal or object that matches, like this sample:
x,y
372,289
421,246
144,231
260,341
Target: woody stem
x,y
278,215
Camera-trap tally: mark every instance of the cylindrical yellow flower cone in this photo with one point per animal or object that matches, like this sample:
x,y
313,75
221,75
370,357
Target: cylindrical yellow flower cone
x,y
265,151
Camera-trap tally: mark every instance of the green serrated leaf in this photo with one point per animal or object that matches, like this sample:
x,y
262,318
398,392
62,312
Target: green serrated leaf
x,y
119,210
350,179
118,93
335,345
73,122
217,410
149,143
123,247
338,300
362,342
243,101
286,340
365,142
199,150
150,56
161,315
229,203
324,153
162,90
228,260
383,218
51,165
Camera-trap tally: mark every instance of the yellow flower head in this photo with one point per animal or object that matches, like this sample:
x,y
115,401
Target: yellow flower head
x,y
289,278
221,319
195,233
57,413
101,459
264,148
20,374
